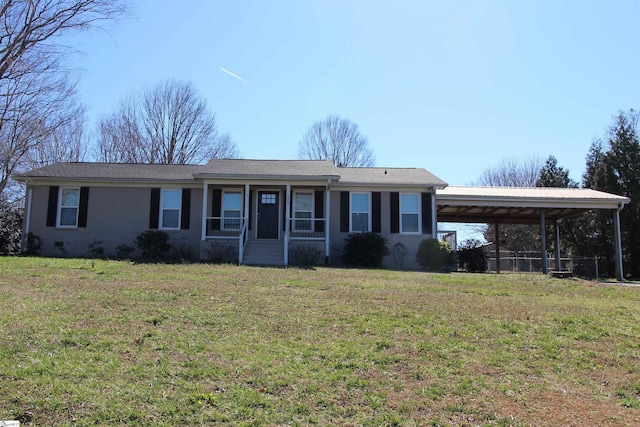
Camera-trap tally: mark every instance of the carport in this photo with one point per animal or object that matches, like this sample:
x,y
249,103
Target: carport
x,y
538,205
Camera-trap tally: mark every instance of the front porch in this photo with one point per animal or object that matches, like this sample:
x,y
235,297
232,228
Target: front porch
x,y
266,223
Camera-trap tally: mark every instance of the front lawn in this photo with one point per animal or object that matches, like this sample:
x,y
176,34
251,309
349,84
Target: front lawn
x,y
86,342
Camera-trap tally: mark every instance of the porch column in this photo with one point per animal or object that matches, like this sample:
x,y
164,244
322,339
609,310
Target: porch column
x,y
246,206
434,216
287,216
327,208
618,243
543,240
558,260
205,201
497,240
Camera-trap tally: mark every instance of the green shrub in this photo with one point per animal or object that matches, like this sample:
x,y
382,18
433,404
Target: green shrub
x,y
471,257
364,249
434,255
153,244
306,254
33,244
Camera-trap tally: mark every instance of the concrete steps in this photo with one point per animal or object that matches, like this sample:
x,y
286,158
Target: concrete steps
x,y
264,252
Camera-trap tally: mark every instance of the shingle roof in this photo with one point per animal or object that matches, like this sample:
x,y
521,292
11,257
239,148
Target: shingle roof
x,y
269,168
236,168
389,176
112,171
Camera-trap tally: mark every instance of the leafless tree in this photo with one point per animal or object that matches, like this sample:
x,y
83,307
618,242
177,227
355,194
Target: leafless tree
x,y
166,124
514,172
37,93
65,143
338,140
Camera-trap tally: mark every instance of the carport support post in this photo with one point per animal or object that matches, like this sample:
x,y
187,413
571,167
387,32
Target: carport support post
x,y
543,241
558,266
618,243
497,239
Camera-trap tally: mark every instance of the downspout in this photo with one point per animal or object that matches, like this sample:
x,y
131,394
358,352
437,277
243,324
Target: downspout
x,y
618,243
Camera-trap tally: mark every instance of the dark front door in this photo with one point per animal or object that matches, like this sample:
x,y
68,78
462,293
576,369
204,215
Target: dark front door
x,y
268,208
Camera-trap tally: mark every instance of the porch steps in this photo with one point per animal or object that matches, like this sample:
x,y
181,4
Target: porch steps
x,y
264,252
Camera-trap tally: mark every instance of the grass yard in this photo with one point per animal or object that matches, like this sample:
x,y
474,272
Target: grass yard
x,y
87,342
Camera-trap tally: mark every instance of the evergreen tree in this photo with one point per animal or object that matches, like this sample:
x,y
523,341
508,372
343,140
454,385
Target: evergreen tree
x,y
613,165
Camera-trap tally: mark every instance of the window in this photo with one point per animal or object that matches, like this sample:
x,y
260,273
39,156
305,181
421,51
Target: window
x,y
268,199
302,208
69,204
360,208
409,213
170,209
232,210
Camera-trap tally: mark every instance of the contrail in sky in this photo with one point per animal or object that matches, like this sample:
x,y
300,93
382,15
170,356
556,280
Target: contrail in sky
x,y
233,75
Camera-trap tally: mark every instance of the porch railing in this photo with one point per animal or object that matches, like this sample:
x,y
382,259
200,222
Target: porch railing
x,y
307,228
221,226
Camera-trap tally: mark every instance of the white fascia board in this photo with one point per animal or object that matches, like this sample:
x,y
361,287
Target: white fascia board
x,y
530,203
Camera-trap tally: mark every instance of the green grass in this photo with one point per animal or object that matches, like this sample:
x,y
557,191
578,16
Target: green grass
x,y
86,342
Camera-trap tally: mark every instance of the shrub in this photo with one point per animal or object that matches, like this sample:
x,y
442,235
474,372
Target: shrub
x,y
33,244
435,255
220,253
471,256
364,249
123,251
306,254
153,244
96,250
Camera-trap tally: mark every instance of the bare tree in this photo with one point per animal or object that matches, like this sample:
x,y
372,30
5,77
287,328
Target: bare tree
x,y
166,124
37,94
514,173
338,140
67,142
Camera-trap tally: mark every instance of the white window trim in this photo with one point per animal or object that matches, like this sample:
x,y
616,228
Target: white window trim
x,y
241,210
59,215
351,212
162,209
413,213
313,209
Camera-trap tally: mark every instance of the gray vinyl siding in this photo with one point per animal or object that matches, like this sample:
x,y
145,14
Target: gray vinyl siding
x,y
115,216
409,241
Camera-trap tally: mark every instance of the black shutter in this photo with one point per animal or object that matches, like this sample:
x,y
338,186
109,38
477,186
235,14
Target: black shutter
x,y
250,208
83,207
376,206
154,208
186,209
216,208
427,214
395,211
344,211
319,206
52,209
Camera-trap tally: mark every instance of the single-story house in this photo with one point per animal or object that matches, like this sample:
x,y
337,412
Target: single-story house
x,y
259,211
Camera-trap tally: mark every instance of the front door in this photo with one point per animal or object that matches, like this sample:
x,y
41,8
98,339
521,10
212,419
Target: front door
x,y
268,208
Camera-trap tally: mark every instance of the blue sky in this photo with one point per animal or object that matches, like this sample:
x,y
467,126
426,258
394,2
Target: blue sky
x,y
451,86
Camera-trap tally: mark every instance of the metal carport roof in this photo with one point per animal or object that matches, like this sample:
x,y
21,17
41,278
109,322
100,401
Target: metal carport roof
x,y
512,205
